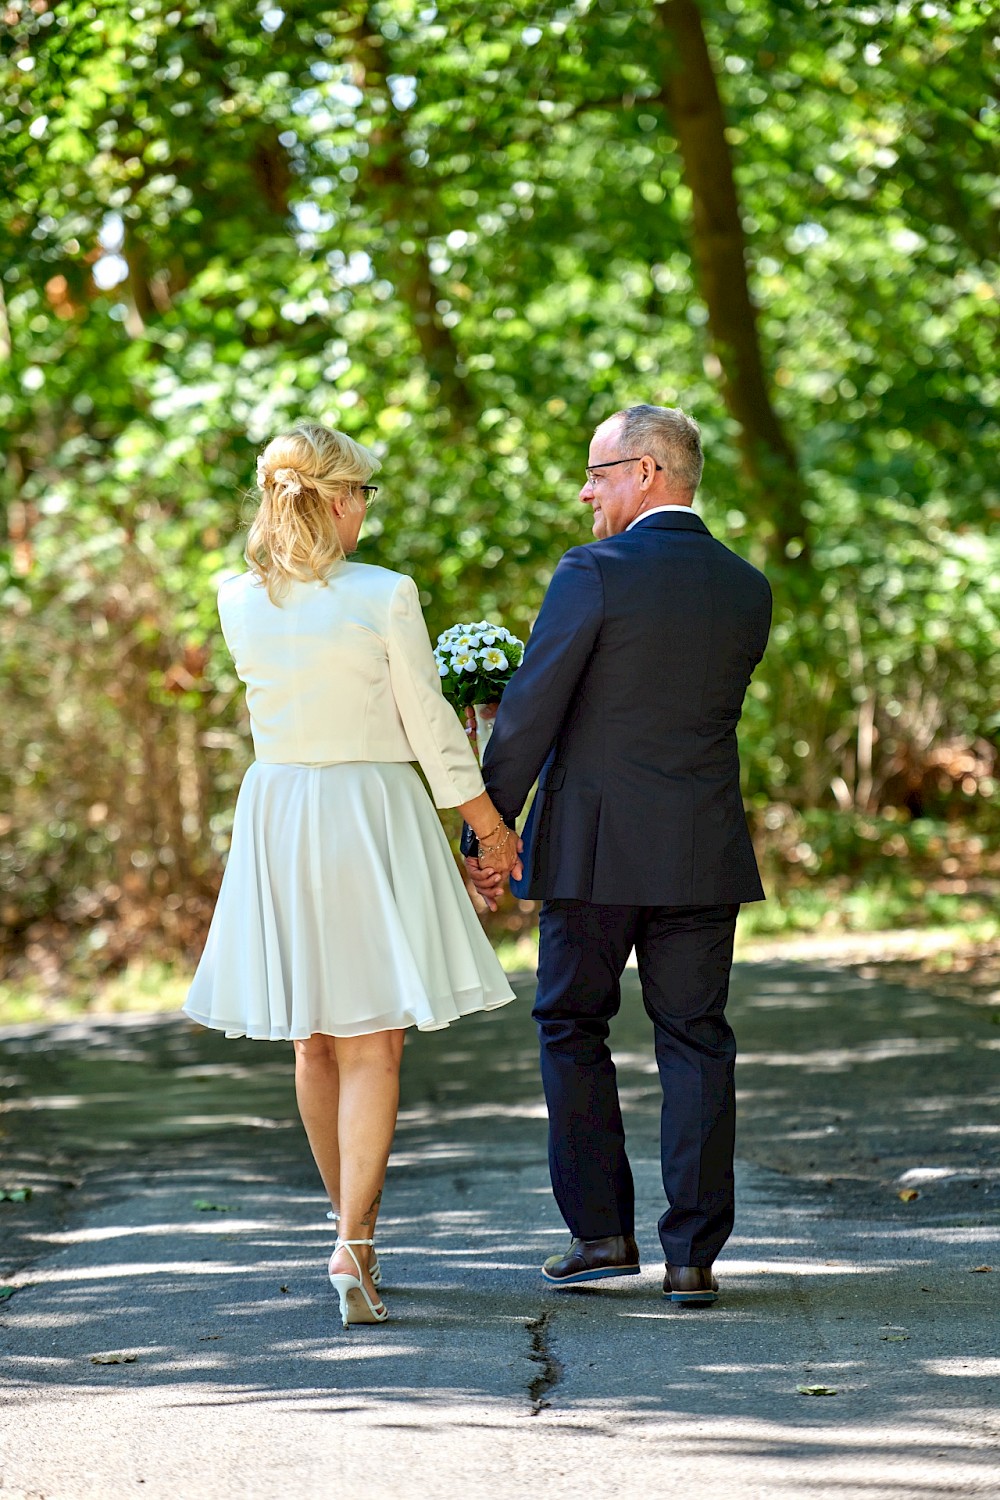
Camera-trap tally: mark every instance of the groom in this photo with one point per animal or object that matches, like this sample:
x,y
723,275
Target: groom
x,y
625,710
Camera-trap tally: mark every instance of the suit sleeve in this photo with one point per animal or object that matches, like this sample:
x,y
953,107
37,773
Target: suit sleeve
x,y
431,724
539,695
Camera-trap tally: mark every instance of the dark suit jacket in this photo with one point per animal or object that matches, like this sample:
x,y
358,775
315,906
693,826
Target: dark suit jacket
x,y
625,709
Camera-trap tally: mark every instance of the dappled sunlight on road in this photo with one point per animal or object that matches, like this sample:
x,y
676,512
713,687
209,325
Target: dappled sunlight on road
x,y
200,1248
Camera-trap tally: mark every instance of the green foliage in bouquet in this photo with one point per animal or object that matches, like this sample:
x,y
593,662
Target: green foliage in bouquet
x,y
476,662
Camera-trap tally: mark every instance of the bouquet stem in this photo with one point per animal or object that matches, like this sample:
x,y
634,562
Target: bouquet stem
x,y
485,715
470,728
479,725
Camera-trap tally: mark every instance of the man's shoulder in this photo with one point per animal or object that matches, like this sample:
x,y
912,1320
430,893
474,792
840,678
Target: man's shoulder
x,y
581,557
739,567
660,544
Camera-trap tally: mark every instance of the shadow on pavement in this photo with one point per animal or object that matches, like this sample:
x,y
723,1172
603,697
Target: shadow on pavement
x,y
848,1088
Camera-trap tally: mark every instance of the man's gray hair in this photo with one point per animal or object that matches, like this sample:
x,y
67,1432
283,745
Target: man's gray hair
x,y
667,434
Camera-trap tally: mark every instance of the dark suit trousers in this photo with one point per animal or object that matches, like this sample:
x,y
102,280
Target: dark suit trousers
x,y
684,955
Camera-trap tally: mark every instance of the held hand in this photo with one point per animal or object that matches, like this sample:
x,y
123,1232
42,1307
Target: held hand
x,y
488,884
505,861
501,854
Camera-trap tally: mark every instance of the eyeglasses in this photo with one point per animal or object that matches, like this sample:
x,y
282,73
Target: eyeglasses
x,y
592,469
369,491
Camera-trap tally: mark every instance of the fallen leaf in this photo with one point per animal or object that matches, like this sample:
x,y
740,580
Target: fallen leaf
x,y
6,1292
908,1194
817,1390
976,1269
895,1338
113,1359
15,1195
282,1289
206,1338
204,1207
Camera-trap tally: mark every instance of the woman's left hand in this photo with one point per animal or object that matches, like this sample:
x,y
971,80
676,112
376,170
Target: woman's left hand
x,y
505,860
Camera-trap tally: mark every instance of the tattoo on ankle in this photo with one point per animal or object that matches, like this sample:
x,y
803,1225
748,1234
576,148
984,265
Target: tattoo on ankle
x,y
373,1209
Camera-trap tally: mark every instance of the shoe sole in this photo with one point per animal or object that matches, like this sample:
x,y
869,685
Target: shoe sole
x,y
693,1299
595,1275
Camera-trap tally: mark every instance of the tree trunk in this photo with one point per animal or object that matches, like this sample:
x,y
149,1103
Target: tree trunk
x,y
690,95
388,185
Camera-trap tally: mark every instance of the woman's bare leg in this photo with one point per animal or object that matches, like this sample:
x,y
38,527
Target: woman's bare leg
x,y
317,1090
369,1101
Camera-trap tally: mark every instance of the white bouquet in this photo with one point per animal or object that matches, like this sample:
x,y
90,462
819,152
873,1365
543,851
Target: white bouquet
x,y
475,663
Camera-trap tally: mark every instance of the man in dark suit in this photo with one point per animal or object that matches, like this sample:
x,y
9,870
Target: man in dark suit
x,y
625,710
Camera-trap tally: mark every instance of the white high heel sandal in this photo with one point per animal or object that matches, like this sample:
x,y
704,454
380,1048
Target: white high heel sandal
x,y
374,1269
355,1304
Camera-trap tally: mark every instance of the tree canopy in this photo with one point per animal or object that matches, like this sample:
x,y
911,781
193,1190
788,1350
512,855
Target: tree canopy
x,y
466,234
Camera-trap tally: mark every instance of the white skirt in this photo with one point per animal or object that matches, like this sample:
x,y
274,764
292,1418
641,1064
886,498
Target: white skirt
x,y
341,911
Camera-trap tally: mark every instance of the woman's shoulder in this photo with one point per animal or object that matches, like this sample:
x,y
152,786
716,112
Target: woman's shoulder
x,y
232,583
233,586
371,579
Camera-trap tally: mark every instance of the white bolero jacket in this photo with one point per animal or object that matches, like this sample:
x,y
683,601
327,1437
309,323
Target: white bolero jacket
x,y
343,671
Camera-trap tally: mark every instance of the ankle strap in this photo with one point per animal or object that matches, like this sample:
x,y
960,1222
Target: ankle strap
x,y
346,1245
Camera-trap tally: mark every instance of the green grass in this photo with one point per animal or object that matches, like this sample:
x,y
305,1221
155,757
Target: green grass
x,y
882,905
141,988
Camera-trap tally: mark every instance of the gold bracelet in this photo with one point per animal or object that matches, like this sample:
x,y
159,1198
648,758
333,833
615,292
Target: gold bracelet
x,y
496,848
487,836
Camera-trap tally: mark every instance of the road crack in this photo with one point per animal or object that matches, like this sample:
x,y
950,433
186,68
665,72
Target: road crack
x,y
550,1371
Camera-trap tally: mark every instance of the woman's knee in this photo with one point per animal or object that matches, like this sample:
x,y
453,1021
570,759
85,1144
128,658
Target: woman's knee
x,y
316,1050
377,1049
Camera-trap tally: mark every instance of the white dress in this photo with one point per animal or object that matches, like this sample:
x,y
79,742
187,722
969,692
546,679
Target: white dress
x,y
341,909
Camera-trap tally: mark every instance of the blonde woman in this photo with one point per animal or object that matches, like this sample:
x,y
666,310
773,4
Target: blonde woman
x,y
342,919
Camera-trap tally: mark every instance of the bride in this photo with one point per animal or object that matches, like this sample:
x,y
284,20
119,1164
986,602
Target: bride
x,y
342,919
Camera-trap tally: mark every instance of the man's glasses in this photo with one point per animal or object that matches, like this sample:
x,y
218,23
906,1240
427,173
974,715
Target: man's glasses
x,y
613,463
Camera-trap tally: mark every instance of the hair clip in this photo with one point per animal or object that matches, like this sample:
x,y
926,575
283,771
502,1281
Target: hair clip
x,y
289,479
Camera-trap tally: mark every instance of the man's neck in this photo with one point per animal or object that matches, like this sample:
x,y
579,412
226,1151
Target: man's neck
x,y
661,500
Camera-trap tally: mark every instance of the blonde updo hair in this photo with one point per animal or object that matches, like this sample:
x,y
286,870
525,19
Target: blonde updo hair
x,y
293,534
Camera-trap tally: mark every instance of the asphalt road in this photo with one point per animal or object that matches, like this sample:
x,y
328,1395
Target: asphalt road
x,y
175,1218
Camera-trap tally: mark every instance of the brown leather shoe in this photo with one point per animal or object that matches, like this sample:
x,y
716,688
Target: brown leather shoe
x,y
694,1286
586,1260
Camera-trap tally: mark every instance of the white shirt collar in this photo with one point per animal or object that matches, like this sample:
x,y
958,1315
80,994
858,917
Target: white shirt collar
x,y
656,511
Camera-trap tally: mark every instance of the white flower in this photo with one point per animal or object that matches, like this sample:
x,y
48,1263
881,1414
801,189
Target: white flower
x,y
494,660
464,661
488,637
442,669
